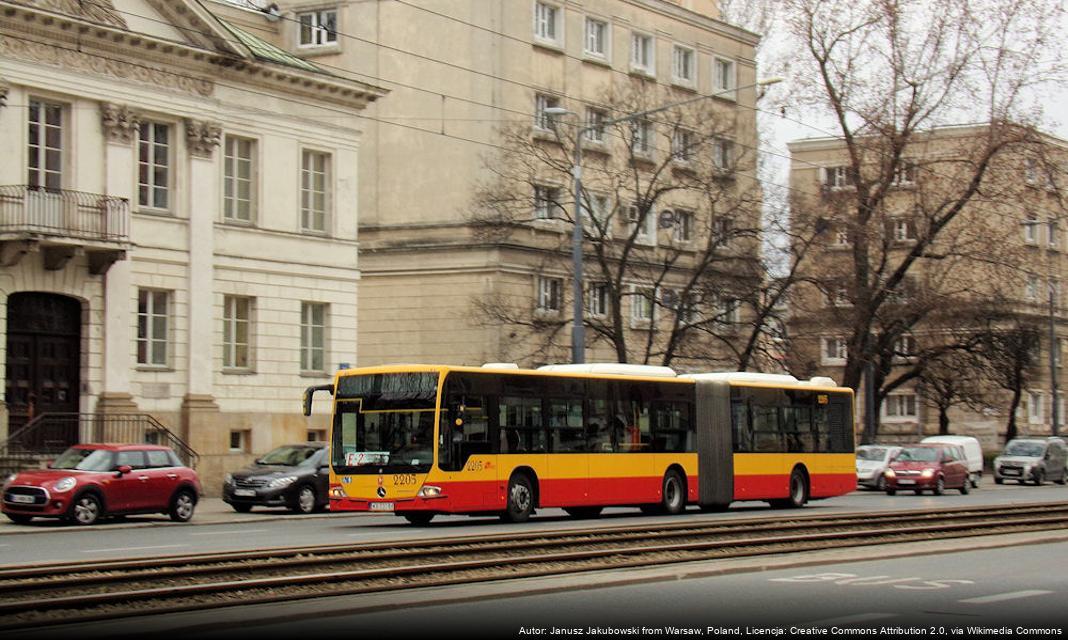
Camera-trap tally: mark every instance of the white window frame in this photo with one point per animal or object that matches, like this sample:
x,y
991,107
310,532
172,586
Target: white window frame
x,y
642,305
309,190
723,155
682,145
901,407
721,230
601,206
44,174
597,45
642,144
550,294
724,78
543,121
643,53
232,180
1030,229
682,226
595,119
683,65
149,188
903,230
646,229
548,23
1036,407
904,348
321,35
905,176
243,437
1031,288
838,346
546,197
597,299
727,310
837,177
232,321
1051,233
148,337
313,336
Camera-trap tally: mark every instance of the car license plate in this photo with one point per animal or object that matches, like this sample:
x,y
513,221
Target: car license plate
x,y
906,482
381,506
247,493
22,499
1010,472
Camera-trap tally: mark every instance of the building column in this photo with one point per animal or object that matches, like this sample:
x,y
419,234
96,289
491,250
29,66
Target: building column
x,y
200,413
120,128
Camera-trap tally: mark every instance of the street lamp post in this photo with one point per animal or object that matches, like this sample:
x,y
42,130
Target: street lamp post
x,y
578,323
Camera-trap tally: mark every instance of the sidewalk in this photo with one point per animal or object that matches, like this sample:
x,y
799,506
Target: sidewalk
x,y
208,511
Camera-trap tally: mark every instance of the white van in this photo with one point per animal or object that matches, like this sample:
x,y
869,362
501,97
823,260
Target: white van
x,y
973,453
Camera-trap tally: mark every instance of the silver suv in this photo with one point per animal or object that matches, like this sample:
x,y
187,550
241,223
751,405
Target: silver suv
x,y
1032,459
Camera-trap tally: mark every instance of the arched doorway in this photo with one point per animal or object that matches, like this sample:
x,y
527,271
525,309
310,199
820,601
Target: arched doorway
x,y
43,358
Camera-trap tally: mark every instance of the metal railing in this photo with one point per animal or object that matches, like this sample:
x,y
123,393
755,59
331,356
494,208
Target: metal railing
x,y
63,213
49,434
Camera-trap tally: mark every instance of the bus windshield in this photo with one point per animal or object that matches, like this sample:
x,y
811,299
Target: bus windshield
x,y
384,423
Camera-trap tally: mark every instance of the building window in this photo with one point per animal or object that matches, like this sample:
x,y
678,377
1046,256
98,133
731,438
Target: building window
x,y
595,209
1051,234
543,120
318,28
722,155
239,441
550,294
900,406
837,177
595,124
642,53
597,299
641,309
722,231
1030,229
683,225
153,165
903,230
643,229
238,176
237,331
905,175
689,310
1035,408
682,65
642,142
312,337
1031,290
596,38
723,77
547,25
316,435
546,202
727,310
682,145
45,145
152,315
314,190
835,351
905,347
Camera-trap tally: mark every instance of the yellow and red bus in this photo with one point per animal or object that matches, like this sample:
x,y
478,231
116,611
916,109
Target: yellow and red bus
x,y
422,440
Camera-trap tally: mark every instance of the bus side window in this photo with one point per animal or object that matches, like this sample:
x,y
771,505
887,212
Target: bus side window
x,y
741,427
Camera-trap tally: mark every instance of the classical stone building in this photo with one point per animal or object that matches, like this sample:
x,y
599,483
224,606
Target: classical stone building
x,y
461,74
178,221
998,266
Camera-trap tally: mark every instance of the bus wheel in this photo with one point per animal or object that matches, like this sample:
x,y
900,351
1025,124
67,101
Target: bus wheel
x,y
520,499
798,492
583,512
419,518
673,497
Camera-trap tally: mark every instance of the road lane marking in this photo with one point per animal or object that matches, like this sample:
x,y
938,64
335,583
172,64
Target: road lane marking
x,y
226,533
853,619
1012,595
162,546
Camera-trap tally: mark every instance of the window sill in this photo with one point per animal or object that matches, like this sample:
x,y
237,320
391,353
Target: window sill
x,y
243,224
599,60
314,233
154,368
238,372
548,135
643,73
553,46
158,213
314,50
835,362
727,95
315,374
594,146
686,85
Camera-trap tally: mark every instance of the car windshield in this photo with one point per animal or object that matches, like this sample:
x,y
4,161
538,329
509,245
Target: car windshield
x,y
84,460
288,456
871,453
917,454
1025,449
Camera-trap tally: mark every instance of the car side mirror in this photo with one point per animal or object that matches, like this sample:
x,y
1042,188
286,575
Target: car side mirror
x,y
122,470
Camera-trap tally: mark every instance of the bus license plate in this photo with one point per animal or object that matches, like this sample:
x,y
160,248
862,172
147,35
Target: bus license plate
x,y
906,482
381,506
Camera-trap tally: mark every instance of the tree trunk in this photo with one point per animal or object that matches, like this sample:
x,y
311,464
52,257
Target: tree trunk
x,y
1010,429
943,421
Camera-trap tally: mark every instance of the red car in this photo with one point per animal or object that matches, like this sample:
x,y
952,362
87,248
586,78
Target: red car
x,y
936,467
90,481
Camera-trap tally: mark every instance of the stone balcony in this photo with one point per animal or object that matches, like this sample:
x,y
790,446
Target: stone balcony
x,y
60,224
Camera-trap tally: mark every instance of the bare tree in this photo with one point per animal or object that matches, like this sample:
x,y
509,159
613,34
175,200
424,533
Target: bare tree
x,y
672,230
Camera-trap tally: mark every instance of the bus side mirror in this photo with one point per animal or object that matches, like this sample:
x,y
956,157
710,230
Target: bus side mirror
x,y
310,391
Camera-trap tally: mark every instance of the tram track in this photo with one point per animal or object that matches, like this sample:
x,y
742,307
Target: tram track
x,y
32,595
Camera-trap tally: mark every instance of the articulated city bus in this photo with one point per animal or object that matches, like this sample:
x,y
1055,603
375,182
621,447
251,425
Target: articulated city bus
x,y
421,440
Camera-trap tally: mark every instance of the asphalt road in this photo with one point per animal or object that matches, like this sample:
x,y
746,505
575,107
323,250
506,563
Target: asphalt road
x,y
52,542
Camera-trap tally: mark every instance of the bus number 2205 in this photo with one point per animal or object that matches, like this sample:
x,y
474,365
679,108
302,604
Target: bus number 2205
x,y
402,479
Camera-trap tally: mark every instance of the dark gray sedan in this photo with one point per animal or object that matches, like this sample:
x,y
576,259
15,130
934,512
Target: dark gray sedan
x,y
294,476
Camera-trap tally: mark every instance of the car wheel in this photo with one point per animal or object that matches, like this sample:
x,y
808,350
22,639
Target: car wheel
x,y
19,518
583,512
241,508
520,499
998,480
305,502
891,492
965,488
974,479
918,492
880,485
1040,478
1063,479
940,486
419,518
86,509
182,506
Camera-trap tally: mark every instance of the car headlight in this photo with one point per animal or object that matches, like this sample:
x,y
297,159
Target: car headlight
x,y
64,484
228,479
889,473
284,481
927,473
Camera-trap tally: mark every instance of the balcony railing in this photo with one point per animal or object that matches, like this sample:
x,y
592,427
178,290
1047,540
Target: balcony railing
x,y
63,213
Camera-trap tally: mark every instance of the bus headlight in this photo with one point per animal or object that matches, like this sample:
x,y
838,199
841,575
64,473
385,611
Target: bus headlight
x,y
337,492
429,491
